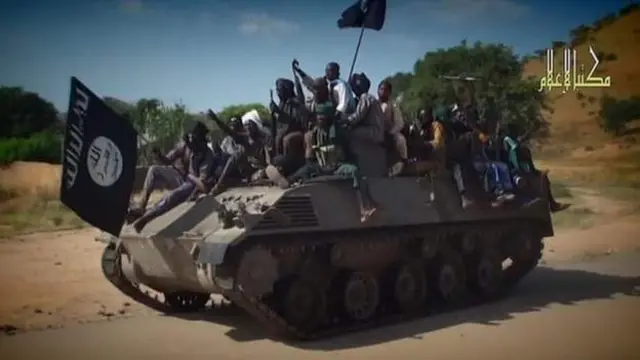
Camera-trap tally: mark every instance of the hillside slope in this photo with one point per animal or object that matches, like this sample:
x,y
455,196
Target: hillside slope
x,y
575,133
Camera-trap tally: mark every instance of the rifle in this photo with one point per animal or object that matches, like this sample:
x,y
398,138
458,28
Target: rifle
x,y
226,129
459,78
274,127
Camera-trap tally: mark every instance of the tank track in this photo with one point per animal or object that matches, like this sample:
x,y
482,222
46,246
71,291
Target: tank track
x,y
177,302
266,314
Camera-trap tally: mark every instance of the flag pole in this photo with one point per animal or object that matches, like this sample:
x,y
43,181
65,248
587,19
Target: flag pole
x,y
355,56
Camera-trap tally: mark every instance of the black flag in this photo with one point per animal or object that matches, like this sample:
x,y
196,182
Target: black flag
x,y
99,161
368,14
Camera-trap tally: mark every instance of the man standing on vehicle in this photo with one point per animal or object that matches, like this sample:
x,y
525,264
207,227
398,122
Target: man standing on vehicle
x,y
340,91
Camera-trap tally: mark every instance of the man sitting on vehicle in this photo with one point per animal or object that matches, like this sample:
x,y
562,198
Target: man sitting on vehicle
x,y
290,128
427,141
168,175
257,147
467,140
326,153
231,144
199,176
278,171
494,174
521,162
247,147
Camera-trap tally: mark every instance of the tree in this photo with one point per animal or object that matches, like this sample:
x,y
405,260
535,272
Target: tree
x,y
540,53
604,21
629,9
119,106
400,82
558,44
501,91
23,113
616,114
159,126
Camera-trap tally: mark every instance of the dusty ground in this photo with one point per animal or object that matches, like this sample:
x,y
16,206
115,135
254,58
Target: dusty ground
x,y
585,310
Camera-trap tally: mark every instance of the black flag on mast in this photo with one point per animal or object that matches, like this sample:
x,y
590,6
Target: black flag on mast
x,y
98,161
367,14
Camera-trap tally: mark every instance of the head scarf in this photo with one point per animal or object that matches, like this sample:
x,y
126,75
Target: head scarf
x,y
285,88
360,83
199,130
441,113
254,117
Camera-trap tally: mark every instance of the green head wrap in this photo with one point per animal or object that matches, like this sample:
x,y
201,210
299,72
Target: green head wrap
x,y
326,109
441,113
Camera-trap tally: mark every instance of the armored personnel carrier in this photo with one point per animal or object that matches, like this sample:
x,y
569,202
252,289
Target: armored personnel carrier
x,y
301,261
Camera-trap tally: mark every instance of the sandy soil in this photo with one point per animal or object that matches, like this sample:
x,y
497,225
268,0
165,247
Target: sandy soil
x,y
54,279
585,310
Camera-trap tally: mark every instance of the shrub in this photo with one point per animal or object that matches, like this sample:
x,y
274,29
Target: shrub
x,y
579,34
604,21
628,9
540,53
611,57
616,114
579,95
44,146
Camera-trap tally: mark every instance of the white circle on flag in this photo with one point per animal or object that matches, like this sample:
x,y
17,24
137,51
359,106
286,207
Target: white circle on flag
x,y
104,161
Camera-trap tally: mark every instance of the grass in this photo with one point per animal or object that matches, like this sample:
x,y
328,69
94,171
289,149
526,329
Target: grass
x,y
578,217
560,190
40,212
25,214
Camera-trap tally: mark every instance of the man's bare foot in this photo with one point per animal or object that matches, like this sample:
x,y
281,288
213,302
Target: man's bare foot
x,y
466,202
396,169
274,175
366,214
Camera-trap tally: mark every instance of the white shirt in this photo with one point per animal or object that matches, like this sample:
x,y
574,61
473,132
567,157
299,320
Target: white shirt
x,y
343,96
229,146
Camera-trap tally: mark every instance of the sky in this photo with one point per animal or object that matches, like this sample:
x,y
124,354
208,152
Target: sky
x,y
214,53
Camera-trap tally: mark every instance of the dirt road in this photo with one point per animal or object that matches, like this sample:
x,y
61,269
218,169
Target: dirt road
x,y
584,311
53,281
